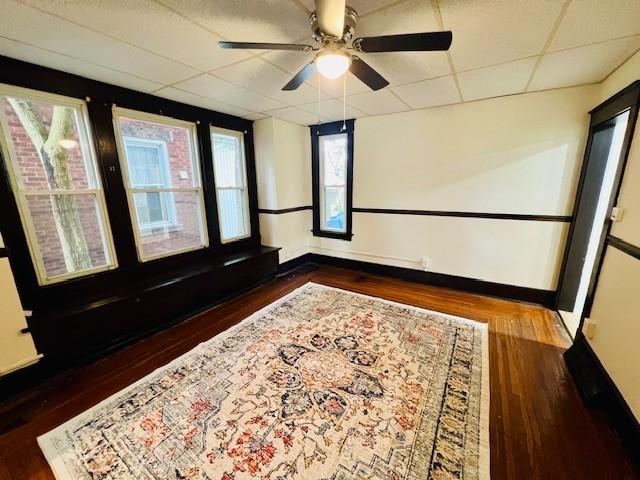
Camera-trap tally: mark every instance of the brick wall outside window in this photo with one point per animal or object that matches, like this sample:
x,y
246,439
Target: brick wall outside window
x,y
186,232
33,177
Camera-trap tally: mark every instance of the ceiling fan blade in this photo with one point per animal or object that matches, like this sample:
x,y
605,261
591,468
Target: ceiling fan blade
x,y
409,42
266,46
330,15
367,75
300,77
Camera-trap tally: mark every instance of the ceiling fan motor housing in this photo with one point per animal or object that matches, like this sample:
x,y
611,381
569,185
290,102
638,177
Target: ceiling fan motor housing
x,y
350,21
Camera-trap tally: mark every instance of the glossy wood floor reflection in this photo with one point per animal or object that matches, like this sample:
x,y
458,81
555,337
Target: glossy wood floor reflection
x,y
539,427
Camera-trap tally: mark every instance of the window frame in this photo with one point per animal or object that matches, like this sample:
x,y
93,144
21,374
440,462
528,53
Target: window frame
x,y
245,188
117,113
162,146
317,131
87,146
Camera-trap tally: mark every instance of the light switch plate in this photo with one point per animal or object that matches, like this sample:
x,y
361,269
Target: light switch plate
x,y
617,214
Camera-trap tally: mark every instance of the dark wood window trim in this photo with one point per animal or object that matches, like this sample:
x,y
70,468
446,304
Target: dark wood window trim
x,y
100,98
623,246
485,215
316,132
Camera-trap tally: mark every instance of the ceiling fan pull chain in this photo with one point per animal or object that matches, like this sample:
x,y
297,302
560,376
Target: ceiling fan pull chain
x,y
319,77
344,102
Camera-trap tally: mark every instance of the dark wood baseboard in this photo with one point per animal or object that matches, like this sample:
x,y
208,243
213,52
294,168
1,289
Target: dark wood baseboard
x,y
290,265
471,285
598,390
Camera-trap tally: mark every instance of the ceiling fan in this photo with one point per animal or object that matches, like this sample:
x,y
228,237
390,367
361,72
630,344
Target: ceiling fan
x,y
333,26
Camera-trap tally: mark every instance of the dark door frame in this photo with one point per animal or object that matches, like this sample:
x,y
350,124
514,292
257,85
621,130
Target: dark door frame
x,y
626,99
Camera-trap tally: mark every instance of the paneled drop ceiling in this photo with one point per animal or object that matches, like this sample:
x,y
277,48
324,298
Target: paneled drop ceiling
x,y
168,48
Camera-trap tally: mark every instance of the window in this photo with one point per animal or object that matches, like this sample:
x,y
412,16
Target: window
x,y
161,172
148,162
52,168
229,169
332,162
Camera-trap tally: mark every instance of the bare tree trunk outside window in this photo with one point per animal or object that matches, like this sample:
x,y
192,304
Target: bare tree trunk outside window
x,y
55,161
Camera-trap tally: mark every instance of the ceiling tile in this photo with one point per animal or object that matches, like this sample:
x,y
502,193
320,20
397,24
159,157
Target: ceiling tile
x,y
149,25
590,21
255,116
25,24
335,88
583,64
263,77
292,62
410,16
429,93
331,110
294,115
363,7
377,103
504,79
39,56
487,33
406,67
191,99
247,20
211,87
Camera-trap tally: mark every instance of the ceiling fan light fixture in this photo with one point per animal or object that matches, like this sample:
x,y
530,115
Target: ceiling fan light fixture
x,y
333,63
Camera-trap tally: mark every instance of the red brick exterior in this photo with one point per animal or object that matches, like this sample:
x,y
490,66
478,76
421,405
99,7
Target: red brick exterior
x,y
186,232
33,177
183,235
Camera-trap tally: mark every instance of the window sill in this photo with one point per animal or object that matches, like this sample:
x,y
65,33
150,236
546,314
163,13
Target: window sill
x,y
335,235
167,228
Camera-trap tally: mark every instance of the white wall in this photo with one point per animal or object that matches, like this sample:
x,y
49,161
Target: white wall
x,y
516,154
284,181
16,349
616,340
626,74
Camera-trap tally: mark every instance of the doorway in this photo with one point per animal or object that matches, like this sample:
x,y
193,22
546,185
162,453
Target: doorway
x,y
607,147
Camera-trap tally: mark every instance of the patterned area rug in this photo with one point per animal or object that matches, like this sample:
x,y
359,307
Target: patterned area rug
x,y
322,384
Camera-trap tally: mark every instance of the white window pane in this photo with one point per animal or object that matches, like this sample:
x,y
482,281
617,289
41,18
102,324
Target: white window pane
x,y
159,154
334,209
42,161
163,232
231,180
148,165
333,155
69,233
228,160
150,145
233,223
155,209
48,149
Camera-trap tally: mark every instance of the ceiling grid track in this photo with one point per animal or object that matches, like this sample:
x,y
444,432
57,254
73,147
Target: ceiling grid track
x,y
81,60
438,15
622,63
547,44
85,27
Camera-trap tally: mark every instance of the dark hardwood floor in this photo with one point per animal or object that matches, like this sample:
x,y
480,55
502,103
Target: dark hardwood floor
x,y
539,427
